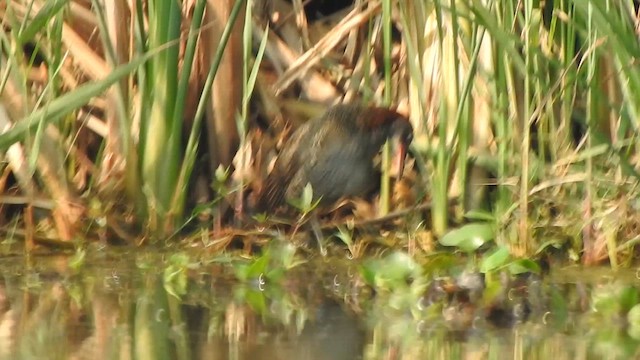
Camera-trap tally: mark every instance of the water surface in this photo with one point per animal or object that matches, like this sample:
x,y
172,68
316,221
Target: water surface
x,y
150,305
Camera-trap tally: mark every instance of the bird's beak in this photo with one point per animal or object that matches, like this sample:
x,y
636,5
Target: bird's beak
x,y
401,153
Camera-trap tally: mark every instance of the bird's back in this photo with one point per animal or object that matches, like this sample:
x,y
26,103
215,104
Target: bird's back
x,y
329,152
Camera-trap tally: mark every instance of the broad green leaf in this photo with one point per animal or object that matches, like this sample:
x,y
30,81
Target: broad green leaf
x,y
254,269
256,300
469,237
494,261
479,215
522,266
391,271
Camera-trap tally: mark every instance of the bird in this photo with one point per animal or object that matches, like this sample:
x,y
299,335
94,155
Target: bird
x,y
335,154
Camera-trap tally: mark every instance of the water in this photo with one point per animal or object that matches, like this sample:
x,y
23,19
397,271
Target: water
x,y
121,305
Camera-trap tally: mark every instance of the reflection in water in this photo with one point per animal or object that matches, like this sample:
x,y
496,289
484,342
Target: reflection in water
x,y
123,308
129,314
333,334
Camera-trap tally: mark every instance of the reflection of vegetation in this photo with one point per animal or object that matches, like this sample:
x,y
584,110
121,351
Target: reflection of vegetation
x,y
130,313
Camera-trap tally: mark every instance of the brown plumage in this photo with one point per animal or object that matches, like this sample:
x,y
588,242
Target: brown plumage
x,y
334,152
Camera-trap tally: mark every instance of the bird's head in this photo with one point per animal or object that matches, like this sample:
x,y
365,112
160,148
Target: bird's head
x,y
385,124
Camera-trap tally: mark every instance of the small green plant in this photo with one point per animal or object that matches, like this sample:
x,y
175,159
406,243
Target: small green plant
x,y
270,265
392,272
305,203
220,181
480,235
346,236
469,237
500,259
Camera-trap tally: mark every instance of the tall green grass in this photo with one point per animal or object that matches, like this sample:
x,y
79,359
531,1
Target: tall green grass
x,y
149,114
548,71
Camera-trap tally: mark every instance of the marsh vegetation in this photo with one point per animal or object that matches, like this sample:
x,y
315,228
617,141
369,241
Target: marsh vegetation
x,y
153,124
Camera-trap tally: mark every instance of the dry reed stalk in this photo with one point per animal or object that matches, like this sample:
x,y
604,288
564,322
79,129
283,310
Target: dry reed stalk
x,y
117,48
16,157
50,167
314,87
226,94
324,46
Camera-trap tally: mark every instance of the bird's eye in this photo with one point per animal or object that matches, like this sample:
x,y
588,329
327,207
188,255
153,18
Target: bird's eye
x,y
409,137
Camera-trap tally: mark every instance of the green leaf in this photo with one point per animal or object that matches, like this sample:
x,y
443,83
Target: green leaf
x,y
633,317
254,71
506,39
469,237
345,236
553,242
219,183
523,266
497,259
288,257
261,218
479,215
307,196
40,21
391,271
253,270
305,203
629,298
256,300
222,173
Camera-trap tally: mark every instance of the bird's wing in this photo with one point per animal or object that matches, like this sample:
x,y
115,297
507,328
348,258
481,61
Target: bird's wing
x,y
297,159
286,168
310,164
